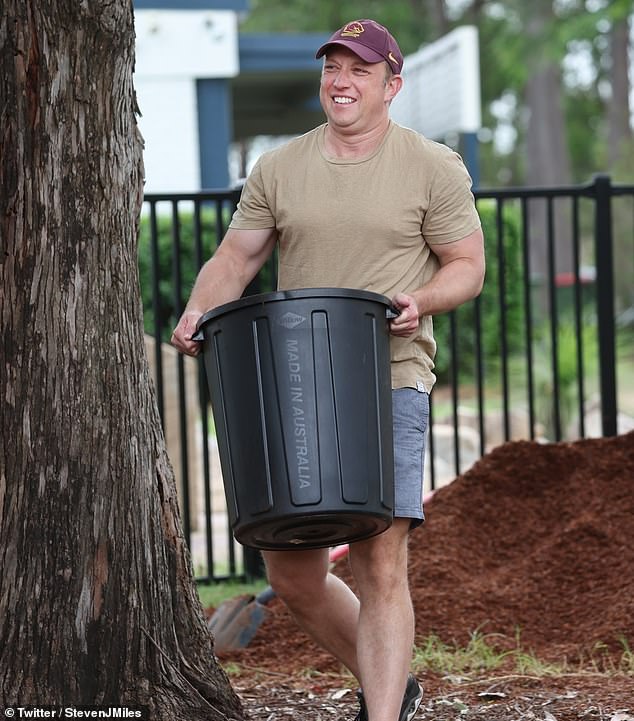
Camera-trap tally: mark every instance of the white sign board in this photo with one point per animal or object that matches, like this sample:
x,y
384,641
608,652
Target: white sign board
x,y
441,86
186,43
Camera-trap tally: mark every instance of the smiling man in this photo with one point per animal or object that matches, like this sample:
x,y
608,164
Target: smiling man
x,y
360,202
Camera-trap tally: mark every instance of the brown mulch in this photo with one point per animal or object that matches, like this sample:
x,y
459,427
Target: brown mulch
x,y
534,546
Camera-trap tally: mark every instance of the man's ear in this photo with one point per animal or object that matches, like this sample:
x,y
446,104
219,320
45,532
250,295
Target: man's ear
x,y
394,85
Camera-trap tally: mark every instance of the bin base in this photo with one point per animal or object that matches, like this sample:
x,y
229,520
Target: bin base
x,y
319,530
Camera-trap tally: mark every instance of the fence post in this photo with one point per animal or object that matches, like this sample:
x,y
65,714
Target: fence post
x,y
605,303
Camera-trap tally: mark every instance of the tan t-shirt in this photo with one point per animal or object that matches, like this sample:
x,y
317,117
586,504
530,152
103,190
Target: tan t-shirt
x,y
367,223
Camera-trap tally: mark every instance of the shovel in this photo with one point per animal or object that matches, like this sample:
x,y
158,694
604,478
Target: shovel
x,y
236,621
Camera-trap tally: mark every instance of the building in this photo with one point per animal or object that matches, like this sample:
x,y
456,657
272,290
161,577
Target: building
x,y
202,85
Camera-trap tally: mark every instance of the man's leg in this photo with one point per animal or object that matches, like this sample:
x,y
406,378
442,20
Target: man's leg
x,y
385,635
321,603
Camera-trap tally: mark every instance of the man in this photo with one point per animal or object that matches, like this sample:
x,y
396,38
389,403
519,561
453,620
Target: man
x,y
360,202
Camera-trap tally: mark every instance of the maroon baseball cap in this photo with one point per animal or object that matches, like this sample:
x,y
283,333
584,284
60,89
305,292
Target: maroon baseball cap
x,y
369,40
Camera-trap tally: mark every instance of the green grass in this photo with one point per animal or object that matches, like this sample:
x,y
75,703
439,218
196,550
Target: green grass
x,y
487,653
213,594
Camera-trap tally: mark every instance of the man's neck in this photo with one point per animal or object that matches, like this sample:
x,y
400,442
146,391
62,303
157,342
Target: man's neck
x,y
354,145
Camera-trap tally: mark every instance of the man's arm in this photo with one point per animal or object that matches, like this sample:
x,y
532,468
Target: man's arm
x,y
222,279
459,279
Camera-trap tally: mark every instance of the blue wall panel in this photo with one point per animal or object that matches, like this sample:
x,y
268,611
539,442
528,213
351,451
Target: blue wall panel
x,y
214,131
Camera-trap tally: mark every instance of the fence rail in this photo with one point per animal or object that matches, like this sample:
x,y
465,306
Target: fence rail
x,y
536,356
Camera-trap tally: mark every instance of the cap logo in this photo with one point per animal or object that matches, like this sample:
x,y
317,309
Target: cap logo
x,y
392,58
352,30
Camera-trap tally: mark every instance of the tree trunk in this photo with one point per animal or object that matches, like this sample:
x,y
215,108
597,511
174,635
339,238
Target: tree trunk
x,y
619,130
547,155
97,602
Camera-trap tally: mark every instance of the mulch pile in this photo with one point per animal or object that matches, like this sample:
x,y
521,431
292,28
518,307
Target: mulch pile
x,y
535,540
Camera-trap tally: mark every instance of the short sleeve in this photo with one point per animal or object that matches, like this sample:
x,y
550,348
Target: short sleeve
x,y
451,214
253,211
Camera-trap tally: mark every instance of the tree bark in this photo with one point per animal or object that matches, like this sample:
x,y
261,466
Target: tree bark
x,y
547,155
97,601
619,130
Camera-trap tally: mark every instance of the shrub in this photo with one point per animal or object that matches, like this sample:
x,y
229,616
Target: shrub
x,y
503,239
163,265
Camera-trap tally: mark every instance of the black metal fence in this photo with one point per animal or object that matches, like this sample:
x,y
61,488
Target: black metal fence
x,y
543,353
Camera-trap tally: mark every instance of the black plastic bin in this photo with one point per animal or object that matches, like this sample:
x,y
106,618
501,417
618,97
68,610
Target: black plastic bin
x,y
301,394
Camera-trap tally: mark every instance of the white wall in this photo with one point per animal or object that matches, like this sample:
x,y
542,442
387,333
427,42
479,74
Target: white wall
x,y
170,130
174,48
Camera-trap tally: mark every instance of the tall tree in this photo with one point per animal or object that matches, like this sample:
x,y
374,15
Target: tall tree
x,y
618,116
547,156
97,602
547,159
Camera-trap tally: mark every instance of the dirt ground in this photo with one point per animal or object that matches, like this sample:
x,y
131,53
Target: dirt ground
x,y
534,543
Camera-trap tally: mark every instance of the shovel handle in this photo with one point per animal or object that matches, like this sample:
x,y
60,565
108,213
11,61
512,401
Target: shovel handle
x,y
265,596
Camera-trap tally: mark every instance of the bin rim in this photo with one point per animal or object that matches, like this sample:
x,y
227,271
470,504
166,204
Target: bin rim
x,y
291,294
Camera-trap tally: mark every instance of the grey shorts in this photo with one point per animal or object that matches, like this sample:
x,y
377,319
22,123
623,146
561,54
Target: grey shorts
x,y
410,412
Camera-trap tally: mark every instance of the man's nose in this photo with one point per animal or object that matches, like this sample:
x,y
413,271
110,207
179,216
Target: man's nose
x,y
342,78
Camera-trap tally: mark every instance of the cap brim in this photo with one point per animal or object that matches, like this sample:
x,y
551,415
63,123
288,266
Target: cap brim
x,y
367,54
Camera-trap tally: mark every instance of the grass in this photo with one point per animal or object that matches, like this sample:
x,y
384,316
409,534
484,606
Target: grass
x,y
213,594
481,655
485,653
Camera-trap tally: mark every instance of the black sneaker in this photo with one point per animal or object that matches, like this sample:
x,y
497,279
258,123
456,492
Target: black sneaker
x,y
411,701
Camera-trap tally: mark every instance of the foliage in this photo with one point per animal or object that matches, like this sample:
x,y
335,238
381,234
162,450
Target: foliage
x,y
572,348
414,21
486,313
171,236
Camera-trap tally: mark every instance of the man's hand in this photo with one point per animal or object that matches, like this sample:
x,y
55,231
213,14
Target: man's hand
x,y
406,323
182,335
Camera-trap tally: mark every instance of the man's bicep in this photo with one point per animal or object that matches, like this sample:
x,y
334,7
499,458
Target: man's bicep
x,y
471,247
250,248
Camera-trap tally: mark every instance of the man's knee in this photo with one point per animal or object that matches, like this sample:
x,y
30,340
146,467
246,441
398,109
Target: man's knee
x,y
296,576
379,565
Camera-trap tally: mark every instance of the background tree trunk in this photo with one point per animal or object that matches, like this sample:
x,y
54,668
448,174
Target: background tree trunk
x,y
547,156
619,130
97,602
